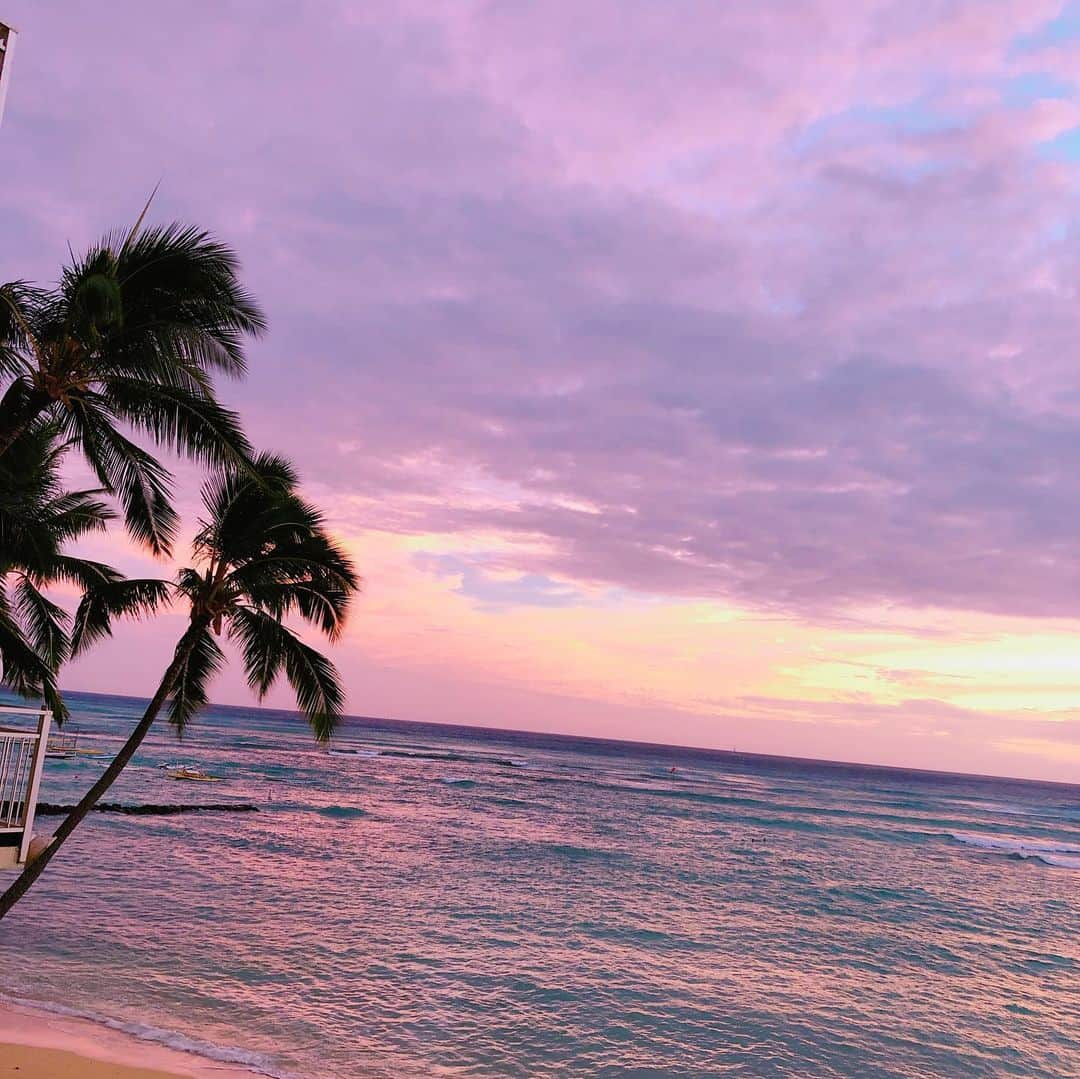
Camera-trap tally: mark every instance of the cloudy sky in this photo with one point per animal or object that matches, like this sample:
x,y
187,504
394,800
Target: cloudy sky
x,y
695,371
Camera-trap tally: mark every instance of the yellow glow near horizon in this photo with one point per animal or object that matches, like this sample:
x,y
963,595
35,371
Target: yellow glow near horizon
x,y
962,690
686,654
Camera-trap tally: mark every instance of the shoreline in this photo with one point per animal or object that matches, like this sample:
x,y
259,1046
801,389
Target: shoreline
x,y
36,1043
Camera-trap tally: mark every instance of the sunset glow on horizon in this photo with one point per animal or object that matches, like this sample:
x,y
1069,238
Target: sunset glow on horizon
x,y
737,409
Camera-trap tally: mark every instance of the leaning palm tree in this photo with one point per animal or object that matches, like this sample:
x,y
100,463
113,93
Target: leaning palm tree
x,y
262,554
39,519
131,338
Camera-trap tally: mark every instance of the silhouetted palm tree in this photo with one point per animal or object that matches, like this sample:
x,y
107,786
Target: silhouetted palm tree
x,y
39,519
131,337
262,554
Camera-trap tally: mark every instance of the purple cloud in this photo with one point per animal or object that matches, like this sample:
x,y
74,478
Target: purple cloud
x,y
715,300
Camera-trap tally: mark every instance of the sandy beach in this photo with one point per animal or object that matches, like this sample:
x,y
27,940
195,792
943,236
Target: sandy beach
x,y
39,1045
29,1062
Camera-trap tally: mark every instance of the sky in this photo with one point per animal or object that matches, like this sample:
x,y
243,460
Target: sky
x,y
691,372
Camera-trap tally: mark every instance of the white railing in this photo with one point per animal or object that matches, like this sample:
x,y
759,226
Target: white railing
x,y
22,754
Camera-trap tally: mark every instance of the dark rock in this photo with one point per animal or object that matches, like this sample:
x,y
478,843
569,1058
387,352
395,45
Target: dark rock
x,y
49,809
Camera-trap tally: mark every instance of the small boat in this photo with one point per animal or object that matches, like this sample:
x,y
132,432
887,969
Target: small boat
x,y
192,775
62,745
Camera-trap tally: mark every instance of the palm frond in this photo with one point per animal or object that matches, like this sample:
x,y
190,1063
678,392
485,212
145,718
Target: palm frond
x,y
140,219
192,584
23,670
74,514
18,300
268,647
117,598
43,622
84,573
139,481
318,599
202,660
317,686
181,293
187,420
50,694
246,507
261,646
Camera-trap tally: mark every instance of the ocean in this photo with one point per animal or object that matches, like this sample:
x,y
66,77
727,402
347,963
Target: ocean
x,y
439,901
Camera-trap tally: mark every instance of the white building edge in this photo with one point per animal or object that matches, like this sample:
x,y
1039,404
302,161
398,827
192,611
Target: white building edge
x,y
7,48
23,747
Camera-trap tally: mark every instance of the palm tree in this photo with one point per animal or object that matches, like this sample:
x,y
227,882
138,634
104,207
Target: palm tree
x,y
262,554
38,519
131,336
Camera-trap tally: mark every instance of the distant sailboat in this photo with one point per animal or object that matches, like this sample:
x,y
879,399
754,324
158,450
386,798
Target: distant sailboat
x,y
190,774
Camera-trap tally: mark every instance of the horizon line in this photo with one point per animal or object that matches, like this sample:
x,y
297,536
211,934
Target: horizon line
x,y
561,735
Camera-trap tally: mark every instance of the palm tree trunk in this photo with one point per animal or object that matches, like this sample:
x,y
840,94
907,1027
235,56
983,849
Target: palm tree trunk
x,y
35,868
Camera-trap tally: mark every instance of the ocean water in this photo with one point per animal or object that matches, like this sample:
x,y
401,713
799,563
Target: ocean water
x,y
448,902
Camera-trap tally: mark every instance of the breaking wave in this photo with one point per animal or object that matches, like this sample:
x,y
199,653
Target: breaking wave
x,y
1062,855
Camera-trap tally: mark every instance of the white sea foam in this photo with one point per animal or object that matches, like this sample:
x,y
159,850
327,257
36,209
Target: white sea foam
x,y
1063,855
1063,861
256,1063
994,807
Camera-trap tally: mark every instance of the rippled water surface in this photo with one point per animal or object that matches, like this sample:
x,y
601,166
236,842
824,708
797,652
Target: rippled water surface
x,y
462,903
